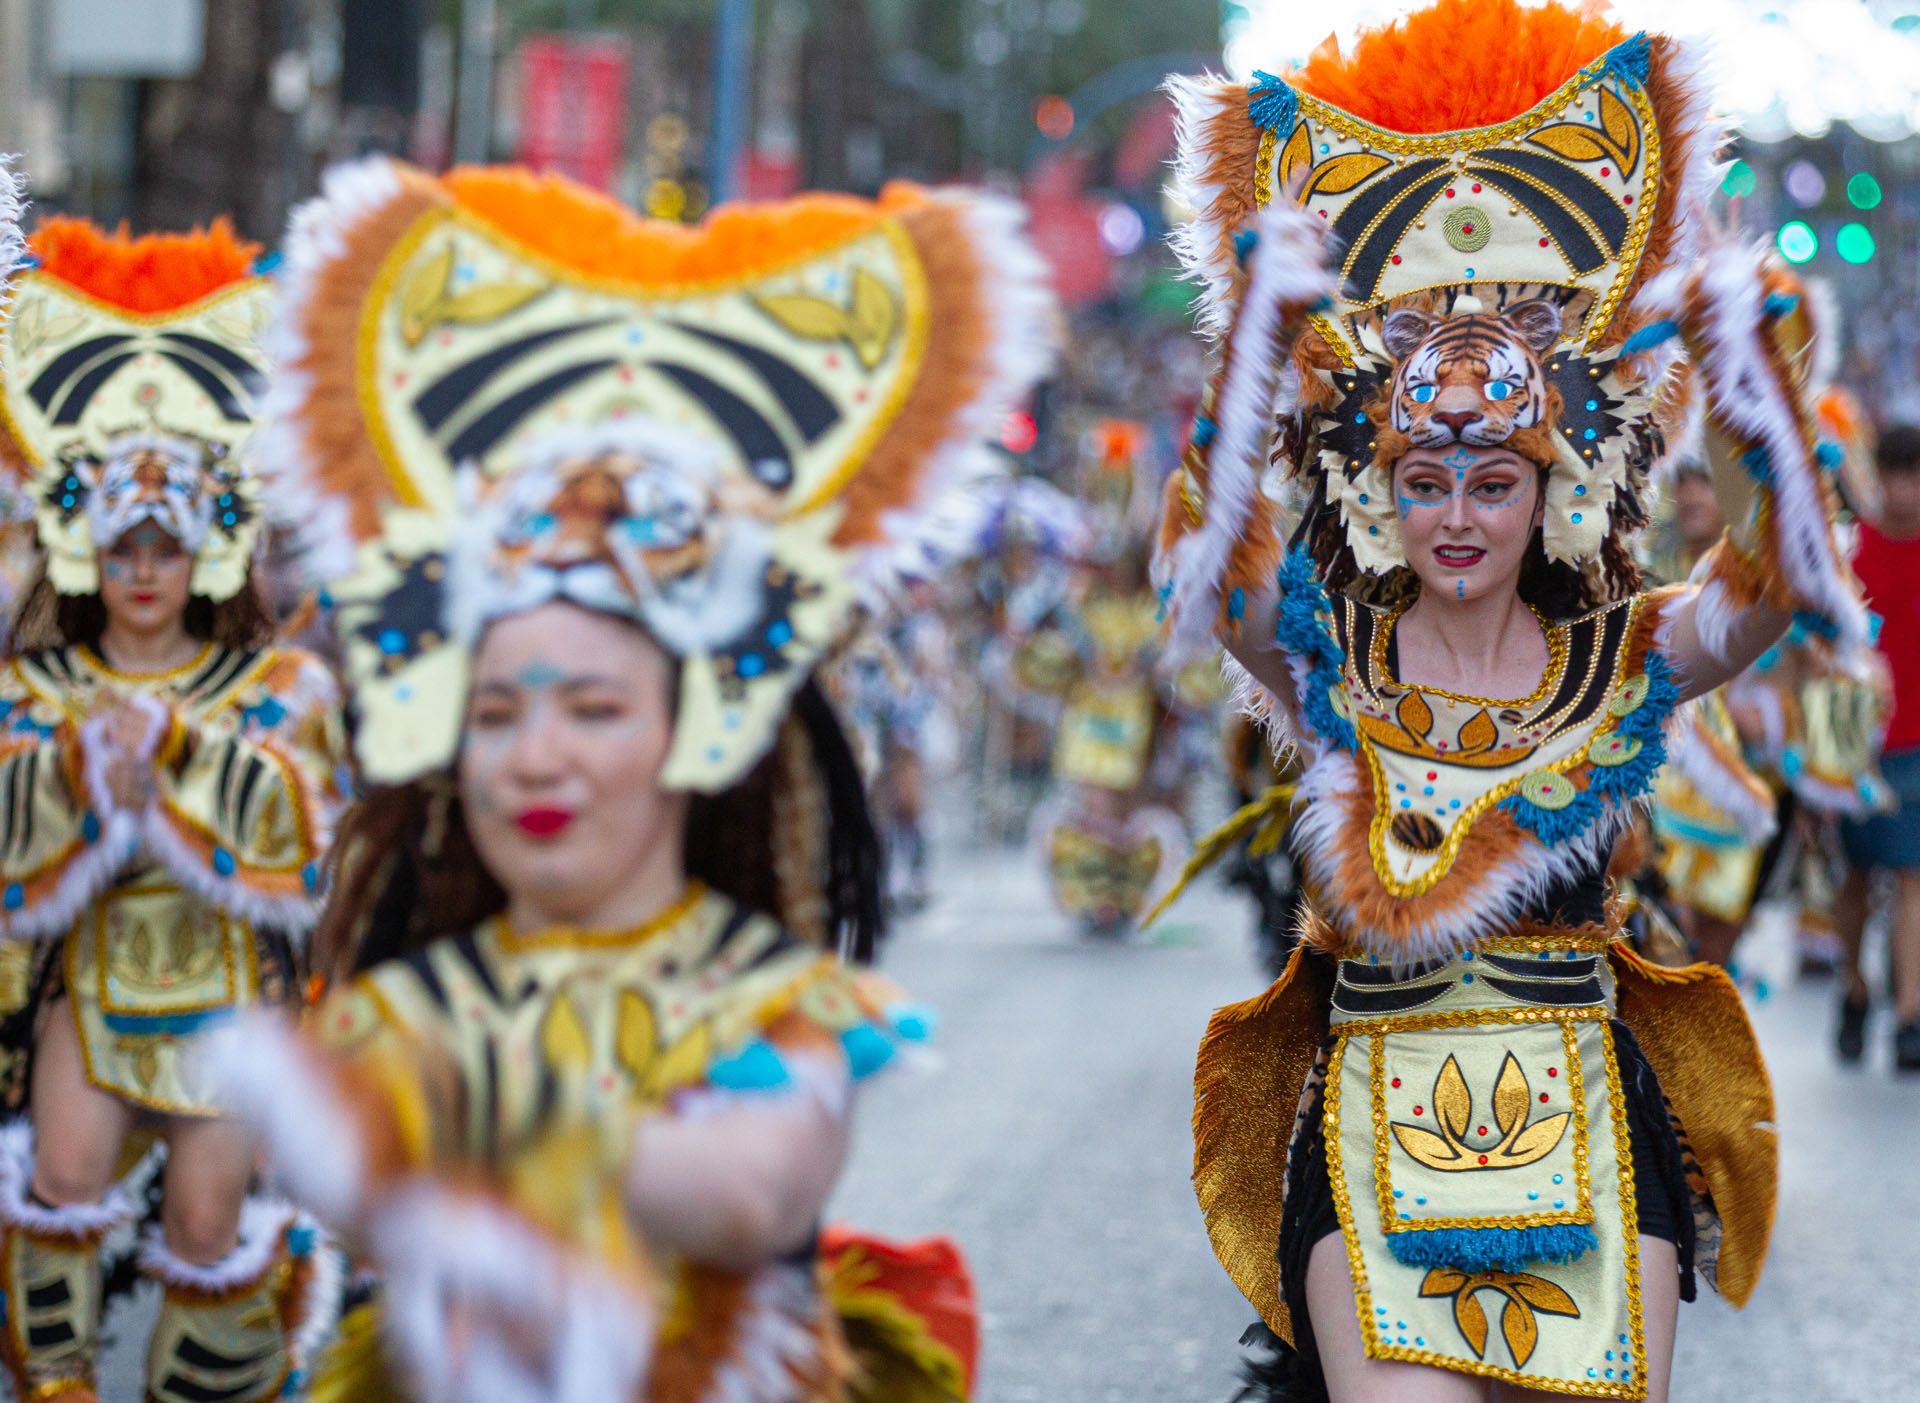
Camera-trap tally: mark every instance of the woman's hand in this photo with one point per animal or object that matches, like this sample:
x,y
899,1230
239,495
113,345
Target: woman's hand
x,y
129,774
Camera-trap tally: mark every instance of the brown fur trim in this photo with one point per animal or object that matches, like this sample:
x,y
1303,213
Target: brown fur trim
x,y
345,463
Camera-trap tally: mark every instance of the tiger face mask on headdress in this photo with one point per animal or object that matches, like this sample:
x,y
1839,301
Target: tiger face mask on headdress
x,y
131,369
1493,183
501,390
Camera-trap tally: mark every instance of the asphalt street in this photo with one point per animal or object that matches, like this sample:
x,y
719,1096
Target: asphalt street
x,y
1051,1139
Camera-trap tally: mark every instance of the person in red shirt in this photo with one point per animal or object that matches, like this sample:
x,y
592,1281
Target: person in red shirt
x,y
1887,560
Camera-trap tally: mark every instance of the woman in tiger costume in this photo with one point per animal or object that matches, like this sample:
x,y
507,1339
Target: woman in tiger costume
x,y
1469,1144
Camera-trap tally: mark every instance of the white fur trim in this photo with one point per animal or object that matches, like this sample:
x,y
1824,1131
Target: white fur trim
x,y
1741,391
1018,352
1726,784
326,1292
777,1338
439,1248
13,241
1321,836
1288,272
1201,244
281,450
17,1208
262,1221
293,915
264,1072
90,872
96,753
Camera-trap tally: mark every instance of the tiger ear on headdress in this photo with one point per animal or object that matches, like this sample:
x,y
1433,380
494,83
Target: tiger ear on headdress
x,y
131,368
837,361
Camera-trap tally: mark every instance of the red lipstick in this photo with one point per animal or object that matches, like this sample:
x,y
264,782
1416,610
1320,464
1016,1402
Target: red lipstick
x,y
544,822
144,596
1459,557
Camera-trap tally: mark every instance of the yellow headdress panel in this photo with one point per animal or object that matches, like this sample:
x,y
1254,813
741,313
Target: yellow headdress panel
x,y
502,389
131,368
1518,170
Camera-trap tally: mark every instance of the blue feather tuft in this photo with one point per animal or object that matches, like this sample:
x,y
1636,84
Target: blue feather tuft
x,y
1758,463
1781,304
1203,430
1609,784
1493,1249
1245,242
1299,631
1650,335
912,1023
1274,105
756,1067
867,1048
1831,455
1631,60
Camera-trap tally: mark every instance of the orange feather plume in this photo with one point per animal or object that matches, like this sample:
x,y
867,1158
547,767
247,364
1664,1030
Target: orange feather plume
x,y
586,232
1412,75
153,273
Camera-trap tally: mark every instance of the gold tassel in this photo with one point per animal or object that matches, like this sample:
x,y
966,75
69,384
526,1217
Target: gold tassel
x,y
1271,813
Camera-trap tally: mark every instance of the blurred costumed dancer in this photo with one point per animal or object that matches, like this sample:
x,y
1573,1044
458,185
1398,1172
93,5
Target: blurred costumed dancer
x,y
1457,265
175,785
595,496
1108,842
1713,815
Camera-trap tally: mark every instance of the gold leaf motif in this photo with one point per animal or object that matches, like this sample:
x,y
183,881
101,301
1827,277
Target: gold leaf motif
x,y
422,294
1537,1141
1542,1294
1414,715
683,1064
488,302
564,1037
1442,1281
1296,158
1434,1151
140,948
1480,733
1343,173
1521,1330
814,318
1510,1093
635,1037
1472,1321
1621,129
1575,143
1451,1099
872,319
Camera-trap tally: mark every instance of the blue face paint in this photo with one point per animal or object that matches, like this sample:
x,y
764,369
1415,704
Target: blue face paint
x,y
539,674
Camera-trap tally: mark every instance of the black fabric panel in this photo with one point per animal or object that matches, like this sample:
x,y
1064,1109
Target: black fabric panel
x,y
1560,969
53,1293
489,428
1593,199
221,390
1587,991
442,399
468,949
812,412
429,978
47,384
84,389
756,438
1379,1001
1370,255
1575,239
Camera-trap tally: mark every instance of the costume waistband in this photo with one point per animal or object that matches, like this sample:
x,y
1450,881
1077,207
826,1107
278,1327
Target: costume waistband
x,y
1495,985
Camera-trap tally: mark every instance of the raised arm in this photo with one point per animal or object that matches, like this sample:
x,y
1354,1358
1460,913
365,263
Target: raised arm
x,y
1748,328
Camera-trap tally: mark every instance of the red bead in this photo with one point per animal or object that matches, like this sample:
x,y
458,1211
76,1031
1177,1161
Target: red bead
x,y
1483,1159
1396,1083
1432,774
1449,194
1605,171
1544,242
1396,258
1626,199
1553,1071
1419,1110
1476,189
1543,1097
1466,228
1482,1130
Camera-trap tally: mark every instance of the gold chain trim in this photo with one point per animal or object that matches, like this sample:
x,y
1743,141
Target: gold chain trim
x,y
1555,636
1464,1018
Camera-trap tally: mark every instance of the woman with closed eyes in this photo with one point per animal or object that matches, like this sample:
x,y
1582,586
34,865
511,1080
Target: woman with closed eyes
x,y
594,498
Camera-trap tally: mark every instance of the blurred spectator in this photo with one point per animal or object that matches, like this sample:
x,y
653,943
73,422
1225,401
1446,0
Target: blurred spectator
x,y
1887,559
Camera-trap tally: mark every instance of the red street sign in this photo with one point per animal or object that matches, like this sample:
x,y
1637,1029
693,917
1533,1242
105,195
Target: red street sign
x,y
573,106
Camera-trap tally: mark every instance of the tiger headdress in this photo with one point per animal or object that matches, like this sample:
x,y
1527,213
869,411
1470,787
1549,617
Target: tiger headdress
x,y
1474,377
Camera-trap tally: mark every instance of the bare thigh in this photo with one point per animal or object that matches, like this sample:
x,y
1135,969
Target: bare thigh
x,y
78,1129
209,1168
1353,1378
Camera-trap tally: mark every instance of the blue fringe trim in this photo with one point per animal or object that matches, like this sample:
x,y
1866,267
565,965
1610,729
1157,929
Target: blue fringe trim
x,y
756,1067
1819,625
1610,784
1299,632
1649,336
1781,304
1759,465
1830,454
1630,60
1244,243
1493,1249
1274,105
1203,430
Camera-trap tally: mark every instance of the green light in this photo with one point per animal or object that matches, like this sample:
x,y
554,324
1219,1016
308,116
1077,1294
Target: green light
x,y
1854,243
1739,179
1863,190
1798,242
